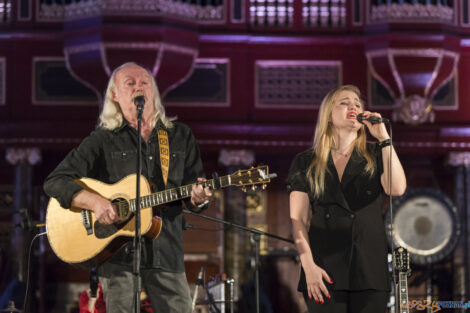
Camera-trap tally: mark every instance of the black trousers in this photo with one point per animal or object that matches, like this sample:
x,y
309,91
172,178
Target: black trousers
x,y
364,301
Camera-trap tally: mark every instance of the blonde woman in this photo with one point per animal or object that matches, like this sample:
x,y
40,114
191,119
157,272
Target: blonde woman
x,y
341,179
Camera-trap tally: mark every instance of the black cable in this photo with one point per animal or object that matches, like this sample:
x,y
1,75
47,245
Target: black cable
x,y
25,303
210,297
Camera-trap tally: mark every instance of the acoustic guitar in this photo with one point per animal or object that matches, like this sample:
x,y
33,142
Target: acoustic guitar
x,y
77,237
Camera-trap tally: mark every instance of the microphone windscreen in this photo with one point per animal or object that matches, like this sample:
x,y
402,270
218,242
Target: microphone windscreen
x,y
360,117
139,100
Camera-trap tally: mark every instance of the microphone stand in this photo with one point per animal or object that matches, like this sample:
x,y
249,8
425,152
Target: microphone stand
x,y
139,102
375,120
255,238
392,244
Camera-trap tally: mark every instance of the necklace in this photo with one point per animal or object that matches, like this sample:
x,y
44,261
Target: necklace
x,y
341,154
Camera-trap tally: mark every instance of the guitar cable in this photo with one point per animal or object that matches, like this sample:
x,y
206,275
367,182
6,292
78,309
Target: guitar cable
x,y
28,270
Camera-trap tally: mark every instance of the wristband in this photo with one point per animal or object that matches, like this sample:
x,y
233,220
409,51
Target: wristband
x,y
200,206
385,143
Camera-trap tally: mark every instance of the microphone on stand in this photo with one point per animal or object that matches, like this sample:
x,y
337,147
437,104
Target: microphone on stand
x,y
139,101
199,282
372,119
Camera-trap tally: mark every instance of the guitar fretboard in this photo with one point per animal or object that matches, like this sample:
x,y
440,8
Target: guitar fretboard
x,y
403,290
178,193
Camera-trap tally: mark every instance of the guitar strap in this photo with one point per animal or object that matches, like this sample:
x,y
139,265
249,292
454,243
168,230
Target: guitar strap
x,y
164,148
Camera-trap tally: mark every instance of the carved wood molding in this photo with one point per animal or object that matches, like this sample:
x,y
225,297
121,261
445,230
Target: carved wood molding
x,y
54,12
411,13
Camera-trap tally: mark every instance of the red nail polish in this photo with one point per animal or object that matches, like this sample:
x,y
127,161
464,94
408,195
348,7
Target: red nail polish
x,y
331,281
309,297
321,302
328,297
316,301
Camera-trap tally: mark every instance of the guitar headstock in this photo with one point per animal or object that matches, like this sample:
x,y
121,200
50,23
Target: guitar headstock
x,y
253,177
401,260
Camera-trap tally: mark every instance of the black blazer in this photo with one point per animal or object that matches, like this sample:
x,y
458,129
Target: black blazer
x,y
347,234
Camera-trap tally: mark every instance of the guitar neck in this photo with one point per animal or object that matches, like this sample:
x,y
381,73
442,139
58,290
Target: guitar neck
x,y
174,194
403,292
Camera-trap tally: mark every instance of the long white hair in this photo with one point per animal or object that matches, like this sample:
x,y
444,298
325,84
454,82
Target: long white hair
x,y
111,116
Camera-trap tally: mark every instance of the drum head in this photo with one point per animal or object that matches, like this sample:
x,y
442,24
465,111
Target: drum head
x,y
426,223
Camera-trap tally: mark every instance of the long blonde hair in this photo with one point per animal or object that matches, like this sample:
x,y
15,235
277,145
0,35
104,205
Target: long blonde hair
x,y
111,116
324,140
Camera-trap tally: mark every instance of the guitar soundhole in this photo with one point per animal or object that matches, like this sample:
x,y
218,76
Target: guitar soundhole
x,y
122,206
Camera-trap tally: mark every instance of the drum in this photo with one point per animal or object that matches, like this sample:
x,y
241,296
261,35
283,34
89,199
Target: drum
x,y
426,223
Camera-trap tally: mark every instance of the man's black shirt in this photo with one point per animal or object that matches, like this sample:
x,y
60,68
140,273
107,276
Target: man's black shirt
x,y
109,156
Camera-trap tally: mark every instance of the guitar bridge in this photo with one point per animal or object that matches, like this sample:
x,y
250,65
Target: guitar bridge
x,y
86,221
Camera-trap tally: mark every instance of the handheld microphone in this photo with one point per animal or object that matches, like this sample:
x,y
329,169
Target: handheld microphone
x,y
139,101
372,119
199,282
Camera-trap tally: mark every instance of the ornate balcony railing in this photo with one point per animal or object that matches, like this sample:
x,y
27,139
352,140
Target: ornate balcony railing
x,y
272,13
324,13
196,10
315,13
412,11
5,11
312,14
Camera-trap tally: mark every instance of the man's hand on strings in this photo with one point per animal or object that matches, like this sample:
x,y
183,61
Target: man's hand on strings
x,y
199,194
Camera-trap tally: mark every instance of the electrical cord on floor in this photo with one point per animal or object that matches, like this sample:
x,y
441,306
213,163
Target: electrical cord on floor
x,y
25,302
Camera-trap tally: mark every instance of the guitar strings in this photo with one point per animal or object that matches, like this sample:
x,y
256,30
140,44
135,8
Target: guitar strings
x,y
169,195
176,193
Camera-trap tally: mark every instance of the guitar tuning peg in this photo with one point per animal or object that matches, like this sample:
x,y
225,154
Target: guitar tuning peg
x,y
253,187
244,189
263,186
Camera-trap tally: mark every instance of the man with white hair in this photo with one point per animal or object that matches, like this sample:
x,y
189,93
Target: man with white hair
x,y
109,154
